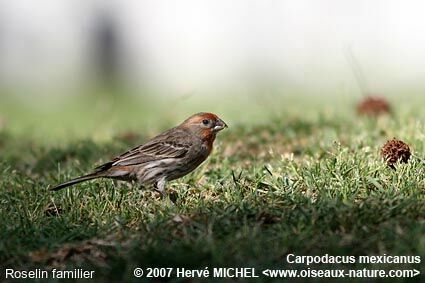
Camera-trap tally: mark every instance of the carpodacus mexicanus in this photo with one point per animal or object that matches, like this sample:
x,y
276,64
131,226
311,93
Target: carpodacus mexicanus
x,y
166,157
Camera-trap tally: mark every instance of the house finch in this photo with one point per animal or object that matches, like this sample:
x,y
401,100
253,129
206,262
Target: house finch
x,y
166,157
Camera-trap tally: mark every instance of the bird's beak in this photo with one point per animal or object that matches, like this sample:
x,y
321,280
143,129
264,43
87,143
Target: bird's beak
x,y
219,125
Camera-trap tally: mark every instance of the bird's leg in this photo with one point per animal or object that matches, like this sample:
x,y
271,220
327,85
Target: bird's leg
x,y
160,187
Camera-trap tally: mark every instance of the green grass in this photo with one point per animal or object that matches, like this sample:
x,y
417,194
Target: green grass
x,y
303,182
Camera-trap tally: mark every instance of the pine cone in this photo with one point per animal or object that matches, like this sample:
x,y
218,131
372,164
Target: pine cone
x,y
373,106
394,151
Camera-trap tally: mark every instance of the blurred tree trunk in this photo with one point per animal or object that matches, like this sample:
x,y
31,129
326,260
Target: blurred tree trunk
x,y
107,54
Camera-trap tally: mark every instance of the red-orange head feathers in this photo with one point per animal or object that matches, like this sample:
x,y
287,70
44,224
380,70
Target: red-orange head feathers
x,y
204,125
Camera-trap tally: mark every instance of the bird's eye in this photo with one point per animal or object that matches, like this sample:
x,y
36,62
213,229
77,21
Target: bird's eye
x,y
205,121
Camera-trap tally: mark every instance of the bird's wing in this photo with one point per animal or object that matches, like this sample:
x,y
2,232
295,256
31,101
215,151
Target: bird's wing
x,y
171,144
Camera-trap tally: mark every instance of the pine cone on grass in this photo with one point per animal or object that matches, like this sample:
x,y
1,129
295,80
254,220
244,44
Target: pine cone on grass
x,y
395,150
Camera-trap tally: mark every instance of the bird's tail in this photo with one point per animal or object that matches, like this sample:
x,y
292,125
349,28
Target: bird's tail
x,y
76,181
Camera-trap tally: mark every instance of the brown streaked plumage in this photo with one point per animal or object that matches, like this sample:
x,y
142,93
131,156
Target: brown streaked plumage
x,y
166,157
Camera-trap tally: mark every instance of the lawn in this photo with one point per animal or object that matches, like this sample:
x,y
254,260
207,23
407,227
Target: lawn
x,y
303,178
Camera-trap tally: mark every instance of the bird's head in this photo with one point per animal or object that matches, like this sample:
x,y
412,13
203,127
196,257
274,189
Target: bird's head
x,y
205,125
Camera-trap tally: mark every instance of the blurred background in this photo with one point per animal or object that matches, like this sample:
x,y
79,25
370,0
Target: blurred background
x,y
93,62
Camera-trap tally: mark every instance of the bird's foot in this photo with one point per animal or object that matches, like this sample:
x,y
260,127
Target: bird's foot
x,y
160,193
173,195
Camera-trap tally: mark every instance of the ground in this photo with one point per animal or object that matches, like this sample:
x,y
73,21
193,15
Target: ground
x,y
305,179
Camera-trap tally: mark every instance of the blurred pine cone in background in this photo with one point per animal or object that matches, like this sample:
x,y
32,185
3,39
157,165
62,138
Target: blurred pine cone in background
x,y
373,106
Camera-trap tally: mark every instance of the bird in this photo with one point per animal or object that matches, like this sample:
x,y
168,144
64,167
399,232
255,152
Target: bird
x,y
166,157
